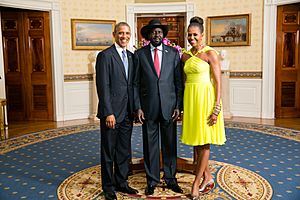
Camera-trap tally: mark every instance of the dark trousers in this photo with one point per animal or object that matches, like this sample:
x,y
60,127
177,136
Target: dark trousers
x,y
115,151
151,150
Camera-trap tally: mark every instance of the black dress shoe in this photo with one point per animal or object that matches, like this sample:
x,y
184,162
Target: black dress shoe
x,y
174,187
127,189
110,196
149,190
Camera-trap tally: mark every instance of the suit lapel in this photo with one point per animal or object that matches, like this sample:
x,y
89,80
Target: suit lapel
x,y
163,59
119,61
130,65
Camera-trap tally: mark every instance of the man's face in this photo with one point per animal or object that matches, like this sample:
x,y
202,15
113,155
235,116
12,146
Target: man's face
x,y
156,36
122,36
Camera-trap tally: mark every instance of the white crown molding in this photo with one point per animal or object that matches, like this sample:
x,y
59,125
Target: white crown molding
x,y
280,2
43,5
158,7
133,9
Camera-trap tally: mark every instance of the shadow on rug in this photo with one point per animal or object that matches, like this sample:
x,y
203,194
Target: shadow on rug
x,y
257,162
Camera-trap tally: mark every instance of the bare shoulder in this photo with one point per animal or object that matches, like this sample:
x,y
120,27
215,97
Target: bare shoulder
x,y
212,52
212,55
185,57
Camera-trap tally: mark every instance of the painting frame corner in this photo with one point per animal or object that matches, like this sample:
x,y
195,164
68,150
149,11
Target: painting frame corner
x,y
229,30
92,34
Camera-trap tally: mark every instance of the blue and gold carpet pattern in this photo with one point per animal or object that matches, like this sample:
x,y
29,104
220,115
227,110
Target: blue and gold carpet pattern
x,y
33,166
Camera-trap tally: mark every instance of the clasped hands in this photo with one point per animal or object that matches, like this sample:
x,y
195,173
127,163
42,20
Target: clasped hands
x,y
140,115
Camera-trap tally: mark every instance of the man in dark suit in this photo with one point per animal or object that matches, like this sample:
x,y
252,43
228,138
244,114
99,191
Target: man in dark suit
x,y
157,101
114,75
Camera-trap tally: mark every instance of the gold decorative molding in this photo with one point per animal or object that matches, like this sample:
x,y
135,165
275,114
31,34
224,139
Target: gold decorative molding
x,y
246,75
78,77
89,77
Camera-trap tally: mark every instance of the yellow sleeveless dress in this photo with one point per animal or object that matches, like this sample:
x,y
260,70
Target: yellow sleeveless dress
x,y
198,104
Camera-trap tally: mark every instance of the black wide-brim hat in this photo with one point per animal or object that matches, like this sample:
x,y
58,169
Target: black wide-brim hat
x,y
154,23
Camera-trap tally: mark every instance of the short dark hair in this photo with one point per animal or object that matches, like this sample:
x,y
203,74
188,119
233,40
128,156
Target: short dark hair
x,y
120,24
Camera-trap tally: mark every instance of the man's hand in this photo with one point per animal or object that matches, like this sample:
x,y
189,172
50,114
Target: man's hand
x,y
175,115
110,121
140,116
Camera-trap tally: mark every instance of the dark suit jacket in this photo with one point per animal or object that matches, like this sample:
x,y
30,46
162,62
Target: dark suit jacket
x,y
151,91
114,91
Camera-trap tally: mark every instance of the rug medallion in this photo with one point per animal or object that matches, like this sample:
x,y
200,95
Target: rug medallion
x,y
232,182
257,162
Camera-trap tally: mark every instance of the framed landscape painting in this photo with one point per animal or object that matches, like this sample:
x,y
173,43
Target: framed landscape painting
x,y
90,34
231,30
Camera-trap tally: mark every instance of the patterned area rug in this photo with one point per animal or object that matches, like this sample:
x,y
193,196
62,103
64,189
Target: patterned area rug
x,y
257,162
233,182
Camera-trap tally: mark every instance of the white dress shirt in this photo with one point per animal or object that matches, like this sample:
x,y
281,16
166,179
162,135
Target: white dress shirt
x,y
119,50
159,52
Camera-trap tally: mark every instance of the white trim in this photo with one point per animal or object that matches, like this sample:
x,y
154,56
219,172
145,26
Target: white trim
x,y
245,97
269,55
2,72
282,2
56,46
78,108
133,9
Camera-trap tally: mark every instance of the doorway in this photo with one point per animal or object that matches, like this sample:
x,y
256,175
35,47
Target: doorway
x,y
175,23
27,64
287,82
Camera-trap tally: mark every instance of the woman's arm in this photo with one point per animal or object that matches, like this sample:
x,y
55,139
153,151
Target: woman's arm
x,y
213,60
216,70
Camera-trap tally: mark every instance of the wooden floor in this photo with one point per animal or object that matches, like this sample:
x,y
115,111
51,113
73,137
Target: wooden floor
x,y
16,129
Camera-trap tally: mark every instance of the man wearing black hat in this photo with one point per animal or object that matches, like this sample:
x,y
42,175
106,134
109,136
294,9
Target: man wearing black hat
x,y
158,100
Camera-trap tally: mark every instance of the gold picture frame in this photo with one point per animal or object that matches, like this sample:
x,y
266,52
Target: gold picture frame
x,y
230,30
89,34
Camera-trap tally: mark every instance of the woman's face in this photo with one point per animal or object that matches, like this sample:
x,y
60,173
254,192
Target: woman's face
x,y
194,36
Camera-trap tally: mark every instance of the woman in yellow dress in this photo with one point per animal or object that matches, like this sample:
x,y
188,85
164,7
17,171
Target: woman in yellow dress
x,y
203,122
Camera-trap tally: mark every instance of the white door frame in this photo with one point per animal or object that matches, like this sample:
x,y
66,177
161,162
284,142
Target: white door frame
x,y
269,56
56,49
269,43
133,9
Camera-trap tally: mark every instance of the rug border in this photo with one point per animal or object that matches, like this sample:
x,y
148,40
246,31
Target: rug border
x,y
33,138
